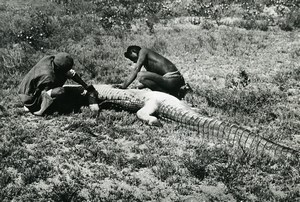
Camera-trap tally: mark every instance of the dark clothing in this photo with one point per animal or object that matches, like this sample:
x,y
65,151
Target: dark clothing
x,y
175,81
41,77
71,101
33,103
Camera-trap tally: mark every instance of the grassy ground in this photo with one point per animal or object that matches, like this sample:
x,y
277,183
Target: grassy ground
x,y
116,157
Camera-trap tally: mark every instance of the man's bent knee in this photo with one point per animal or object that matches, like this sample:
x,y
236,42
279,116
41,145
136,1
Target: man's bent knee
x,y
57,92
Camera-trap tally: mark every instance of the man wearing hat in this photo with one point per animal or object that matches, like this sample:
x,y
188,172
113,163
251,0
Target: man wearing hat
x,y
42,85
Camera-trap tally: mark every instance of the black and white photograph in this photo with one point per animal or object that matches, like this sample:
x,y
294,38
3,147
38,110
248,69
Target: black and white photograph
x,y
159,101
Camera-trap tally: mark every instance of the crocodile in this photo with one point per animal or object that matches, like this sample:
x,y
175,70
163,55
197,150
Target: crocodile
x,y
151,105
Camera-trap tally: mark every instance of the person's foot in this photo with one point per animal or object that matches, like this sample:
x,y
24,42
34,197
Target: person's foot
x,y
46,102
184,90
25,109
140,86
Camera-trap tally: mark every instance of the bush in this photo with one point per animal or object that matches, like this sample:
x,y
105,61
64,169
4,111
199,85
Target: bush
x,y
206,24
14,61
159,45
97,59
6,33
286,25
247,101
293,18
36,30
285,79
254,24
208,9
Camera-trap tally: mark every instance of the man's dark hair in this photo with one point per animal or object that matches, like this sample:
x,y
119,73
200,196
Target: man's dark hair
x,y
130,49
134,48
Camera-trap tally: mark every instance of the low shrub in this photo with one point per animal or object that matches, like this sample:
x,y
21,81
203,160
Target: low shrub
x,y
285,25
253,24
14,61
206,24
255,102
160,46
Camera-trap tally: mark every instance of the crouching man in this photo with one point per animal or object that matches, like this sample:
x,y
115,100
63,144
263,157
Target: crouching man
x,y
42,87
160,75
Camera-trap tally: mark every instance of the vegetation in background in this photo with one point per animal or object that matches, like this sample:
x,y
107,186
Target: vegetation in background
x,y
240,57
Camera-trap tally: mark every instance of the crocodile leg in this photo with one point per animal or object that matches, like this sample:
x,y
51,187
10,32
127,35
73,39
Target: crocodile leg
x,y
145,113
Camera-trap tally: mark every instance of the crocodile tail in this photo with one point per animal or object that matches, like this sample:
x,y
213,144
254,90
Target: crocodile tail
x,y
242,137
219,130
254,142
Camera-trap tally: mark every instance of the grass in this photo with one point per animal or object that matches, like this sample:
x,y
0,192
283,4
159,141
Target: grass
x,y
116,157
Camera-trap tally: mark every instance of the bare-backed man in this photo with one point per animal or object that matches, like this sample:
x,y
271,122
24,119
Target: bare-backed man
x,y
161,75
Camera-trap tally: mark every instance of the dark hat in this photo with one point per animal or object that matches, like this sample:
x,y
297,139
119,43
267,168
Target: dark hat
x,y
63,61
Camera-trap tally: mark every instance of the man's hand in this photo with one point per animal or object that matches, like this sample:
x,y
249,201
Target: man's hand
x,y
93,94
93,100
94,107
90,89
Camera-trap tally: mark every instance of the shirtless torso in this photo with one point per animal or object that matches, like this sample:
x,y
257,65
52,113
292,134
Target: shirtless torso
x,y
161,75
154,62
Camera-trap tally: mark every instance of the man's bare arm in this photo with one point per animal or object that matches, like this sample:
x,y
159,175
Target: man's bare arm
x,y
137,69
78,80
